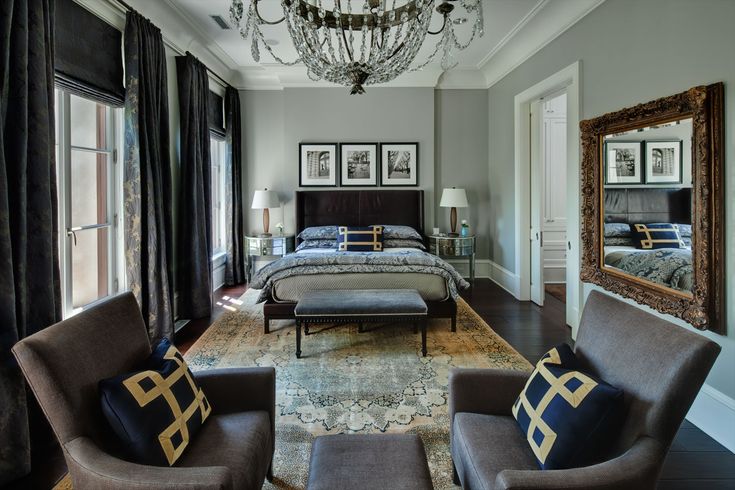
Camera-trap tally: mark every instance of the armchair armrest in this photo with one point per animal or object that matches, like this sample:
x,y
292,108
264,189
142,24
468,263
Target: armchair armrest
x,y
486,391
91,467
637,468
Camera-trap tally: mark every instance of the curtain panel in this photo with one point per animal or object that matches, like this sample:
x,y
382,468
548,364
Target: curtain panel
x,y
194,251
30,292
235,265
147,194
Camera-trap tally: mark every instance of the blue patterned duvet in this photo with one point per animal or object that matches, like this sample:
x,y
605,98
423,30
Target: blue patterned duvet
x,y
668,266
351,262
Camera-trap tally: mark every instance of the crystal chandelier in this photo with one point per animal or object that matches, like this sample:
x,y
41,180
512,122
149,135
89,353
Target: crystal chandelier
x,y
374,42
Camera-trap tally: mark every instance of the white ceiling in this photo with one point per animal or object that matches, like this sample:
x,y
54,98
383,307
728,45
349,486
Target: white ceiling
x,y
514,30
501,16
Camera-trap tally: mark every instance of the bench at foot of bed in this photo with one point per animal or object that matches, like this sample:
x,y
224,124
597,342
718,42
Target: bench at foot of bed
x,y
273,310
361,306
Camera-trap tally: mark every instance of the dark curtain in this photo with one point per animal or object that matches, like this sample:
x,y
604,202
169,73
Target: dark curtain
x,y
235,265
147,195
30,294
194,253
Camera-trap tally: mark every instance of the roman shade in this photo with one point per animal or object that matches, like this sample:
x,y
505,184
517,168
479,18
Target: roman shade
x,y
215,113
88,55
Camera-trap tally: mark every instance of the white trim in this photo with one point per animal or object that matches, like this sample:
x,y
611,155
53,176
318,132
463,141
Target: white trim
x,y
487,269
512,33
536,33
568,79
714,413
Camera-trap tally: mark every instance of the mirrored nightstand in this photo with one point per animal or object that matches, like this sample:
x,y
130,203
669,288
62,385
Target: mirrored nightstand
x,y
455,246
270,246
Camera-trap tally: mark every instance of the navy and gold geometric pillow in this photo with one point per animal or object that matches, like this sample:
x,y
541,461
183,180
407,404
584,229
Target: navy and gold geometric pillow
x,y
156,411
656,235
360,238
567,416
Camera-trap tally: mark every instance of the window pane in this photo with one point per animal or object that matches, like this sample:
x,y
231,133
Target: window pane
x,y
88,123
88,188
89,266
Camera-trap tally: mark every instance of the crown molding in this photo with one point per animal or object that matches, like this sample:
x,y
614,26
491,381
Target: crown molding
x,y
535,33
520,25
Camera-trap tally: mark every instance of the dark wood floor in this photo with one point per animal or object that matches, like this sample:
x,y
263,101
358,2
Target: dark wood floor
x,y
695,461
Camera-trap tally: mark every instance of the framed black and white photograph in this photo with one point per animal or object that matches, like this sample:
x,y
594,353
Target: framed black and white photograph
x,y
318,164
623,163
359,164
399,164
663,162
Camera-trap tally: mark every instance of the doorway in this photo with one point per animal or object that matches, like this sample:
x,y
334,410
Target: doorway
x,y
548,197
567,80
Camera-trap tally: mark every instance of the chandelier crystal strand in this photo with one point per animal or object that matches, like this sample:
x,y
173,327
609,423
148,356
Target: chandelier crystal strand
x,y
334,45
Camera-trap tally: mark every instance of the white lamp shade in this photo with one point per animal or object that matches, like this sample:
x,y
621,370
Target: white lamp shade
x,y
265,199
453,198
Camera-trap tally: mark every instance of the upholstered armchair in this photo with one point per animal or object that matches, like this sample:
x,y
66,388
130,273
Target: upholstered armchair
x,y
659,366
63,365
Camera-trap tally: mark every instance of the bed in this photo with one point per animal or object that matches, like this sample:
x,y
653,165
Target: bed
x,y
284,281
670,267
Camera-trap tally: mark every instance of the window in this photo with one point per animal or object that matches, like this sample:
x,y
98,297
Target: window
x,y
218,153
88,199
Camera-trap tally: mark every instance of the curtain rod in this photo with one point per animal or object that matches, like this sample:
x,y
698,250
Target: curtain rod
x,y
177,49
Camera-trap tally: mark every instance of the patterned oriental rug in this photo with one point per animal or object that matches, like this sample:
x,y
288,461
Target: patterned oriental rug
x,y
370,382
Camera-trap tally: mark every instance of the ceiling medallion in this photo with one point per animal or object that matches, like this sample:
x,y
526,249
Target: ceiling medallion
x,y
373,44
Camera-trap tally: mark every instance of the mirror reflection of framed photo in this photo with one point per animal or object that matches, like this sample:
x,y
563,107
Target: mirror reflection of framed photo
x,y
623,163
359,164
317,164
663,162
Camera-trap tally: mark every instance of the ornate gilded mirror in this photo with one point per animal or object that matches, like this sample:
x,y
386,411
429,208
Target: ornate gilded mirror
x,y
652,204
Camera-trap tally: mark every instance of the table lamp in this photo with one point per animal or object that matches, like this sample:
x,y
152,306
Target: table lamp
x,y
453,198
263,200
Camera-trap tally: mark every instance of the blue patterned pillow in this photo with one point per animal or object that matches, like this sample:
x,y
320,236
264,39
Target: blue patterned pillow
x,y
307,244
319,233
360,238
617,230
568,416
401,232
656,235
155,411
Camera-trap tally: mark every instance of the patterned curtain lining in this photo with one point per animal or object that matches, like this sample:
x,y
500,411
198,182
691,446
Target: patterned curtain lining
x,y
147,191
30,292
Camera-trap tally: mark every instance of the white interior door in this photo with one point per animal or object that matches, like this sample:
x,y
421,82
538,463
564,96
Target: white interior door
x,y
537,206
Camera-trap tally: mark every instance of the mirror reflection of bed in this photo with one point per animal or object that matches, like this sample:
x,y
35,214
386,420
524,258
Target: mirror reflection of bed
x,y
647,204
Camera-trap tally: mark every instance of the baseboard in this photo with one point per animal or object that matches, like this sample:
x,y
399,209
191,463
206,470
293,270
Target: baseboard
x,y
714,413
488,269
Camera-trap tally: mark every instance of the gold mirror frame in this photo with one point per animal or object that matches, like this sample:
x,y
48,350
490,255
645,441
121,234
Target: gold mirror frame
x,y
704,308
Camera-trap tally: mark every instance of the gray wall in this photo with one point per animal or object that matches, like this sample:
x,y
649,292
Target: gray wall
x,y
447,124
631,52
461,158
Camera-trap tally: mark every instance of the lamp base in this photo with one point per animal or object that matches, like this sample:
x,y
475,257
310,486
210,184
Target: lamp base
x,y
453,235
265,235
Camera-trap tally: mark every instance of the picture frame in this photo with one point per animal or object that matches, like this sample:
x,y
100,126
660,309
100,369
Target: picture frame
x,y
318,164
624,163
359,164
664,164
399,164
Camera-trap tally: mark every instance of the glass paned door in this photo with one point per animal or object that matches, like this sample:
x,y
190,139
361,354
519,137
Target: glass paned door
x,y
85,152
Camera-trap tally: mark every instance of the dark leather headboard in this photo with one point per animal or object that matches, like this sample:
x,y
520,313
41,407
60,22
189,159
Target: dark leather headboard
x,y
360,208
648,205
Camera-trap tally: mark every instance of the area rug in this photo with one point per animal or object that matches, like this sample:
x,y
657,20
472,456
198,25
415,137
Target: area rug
x,y
370,382
350,382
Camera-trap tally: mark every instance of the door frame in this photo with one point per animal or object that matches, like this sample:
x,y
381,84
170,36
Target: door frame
x,y
569,80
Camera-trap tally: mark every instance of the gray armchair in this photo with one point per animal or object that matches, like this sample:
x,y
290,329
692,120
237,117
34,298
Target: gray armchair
x,y
64,363
660,366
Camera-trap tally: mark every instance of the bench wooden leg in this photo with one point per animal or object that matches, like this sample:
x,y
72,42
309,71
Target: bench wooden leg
x,y
415,327
298,339
266,325
454,322
359,327
423,337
